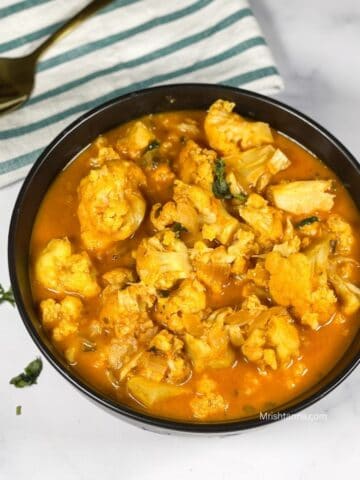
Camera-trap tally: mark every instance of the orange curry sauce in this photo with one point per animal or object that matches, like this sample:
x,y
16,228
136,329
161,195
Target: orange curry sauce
x,y
243,388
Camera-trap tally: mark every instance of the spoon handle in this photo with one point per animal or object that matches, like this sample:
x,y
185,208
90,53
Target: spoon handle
x,y
70,24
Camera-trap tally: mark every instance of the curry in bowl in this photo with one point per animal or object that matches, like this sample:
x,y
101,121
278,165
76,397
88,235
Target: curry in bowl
x,y
197,265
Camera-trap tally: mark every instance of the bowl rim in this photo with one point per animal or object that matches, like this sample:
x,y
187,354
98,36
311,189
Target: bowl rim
x,y
134,416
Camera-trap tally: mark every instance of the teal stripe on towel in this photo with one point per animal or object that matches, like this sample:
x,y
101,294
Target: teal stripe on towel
x,y
30,157
25,129
162,52
19,7
90,47
49,29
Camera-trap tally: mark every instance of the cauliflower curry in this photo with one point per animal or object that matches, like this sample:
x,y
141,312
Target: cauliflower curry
x,y
198,265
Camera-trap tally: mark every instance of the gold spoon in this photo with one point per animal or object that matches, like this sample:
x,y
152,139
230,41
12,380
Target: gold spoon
x,y
17,75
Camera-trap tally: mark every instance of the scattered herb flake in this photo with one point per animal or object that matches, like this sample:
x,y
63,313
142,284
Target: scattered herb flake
x,y
241,197
178,228
6,296
152,145
164,293
29,376
151,159
220,187
307,221
18,410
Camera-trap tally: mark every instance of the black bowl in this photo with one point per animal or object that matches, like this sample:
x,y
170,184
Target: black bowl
x,y
105,117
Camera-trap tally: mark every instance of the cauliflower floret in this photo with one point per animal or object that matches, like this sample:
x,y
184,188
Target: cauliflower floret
x,y
195,165
259,275
291,242
300,281
212,265
160,181
302,197
125,309
252,306
125,313
167,342
179,370
162,260
120,357
267,336
217,222
212,349
348,293
167,350
105,153
236,321
217,337
254,350
180,212
227,132
207,401
341,232
323,300
60,270
242,247
236,335
255,134
340,271
136,140
184,209
61,317
183,310
195,209
254,168
199,352
136,298
64,329
111,206
288,247
152,366
119,277
318,256
272,339
283,336
265,220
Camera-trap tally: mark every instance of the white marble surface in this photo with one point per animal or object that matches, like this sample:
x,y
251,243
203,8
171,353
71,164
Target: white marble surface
x,y
61,436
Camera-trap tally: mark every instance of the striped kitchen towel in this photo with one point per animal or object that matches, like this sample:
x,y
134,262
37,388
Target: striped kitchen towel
x,y
129,45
